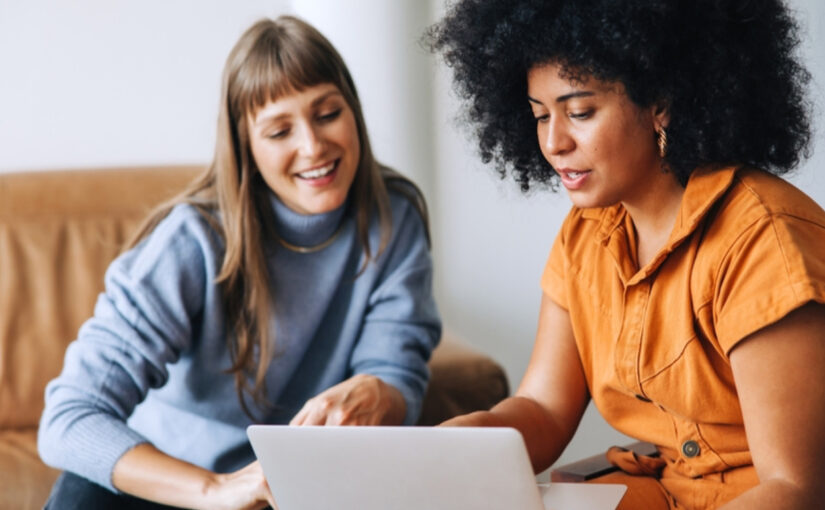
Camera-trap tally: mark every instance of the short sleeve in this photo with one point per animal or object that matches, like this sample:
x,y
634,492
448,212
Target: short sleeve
x,y
553,278
774,267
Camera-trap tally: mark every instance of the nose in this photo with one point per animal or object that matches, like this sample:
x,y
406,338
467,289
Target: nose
x,y
311,143
556,139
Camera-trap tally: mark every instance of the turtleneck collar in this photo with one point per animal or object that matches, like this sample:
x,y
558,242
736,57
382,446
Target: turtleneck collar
x,y
305,229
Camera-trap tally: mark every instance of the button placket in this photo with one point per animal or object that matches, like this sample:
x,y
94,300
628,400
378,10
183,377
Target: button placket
x,y
629,342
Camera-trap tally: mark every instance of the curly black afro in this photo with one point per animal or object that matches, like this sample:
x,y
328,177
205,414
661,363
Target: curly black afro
x,y
727,69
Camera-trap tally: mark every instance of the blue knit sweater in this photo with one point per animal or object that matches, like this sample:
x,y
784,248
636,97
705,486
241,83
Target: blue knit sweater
x,y
150,365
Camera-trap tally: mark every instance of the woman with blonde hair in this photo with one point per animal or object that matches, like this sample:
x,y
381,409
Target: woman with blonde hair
x,y
290,283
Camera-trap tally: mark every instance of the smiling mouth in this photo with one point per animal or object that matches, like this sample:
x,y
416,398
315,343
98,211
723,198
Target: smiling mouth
x,y
317,173
571,174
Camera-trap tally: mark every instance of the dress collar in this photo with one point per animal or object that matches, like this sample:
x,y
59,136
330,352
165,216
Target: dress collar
x,y
704,189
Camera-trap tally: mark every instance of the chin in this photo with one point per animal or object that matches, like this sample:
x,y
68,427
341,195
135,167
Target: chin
x,y
585,202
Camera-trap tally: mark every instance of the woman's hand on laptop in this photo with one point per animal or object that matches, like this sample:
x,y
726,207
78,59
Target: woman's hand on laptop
x,y
245,489
148,473
360,400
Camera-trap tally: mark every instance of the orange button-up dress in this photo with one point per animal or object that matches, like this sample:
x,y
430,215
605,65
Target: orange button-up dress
x,y
747,248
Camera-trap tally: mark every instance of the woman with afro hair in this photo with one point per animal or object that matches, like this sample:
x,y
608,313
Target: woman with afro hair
x,y
685,292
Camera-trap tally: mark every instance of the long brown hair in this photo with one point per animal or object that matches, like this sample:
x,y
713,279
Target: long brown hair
x,y
272,58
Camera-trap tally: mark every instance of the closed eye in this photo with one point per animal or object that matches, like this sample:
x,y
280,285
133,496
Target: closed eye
x,y
581,115
330,116
278,134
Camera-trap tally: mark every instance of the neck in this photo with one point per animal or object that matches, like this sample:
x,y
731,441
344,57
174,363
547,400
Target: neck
x,y
654,214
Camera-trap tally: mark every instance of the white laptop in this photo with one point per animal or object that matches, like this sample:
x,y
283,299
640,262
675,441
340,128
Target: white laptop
x,y
411,468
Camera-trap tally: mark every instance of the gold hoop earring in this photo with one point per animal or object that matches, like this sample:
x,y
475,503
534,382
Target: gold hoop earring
x,y
661,140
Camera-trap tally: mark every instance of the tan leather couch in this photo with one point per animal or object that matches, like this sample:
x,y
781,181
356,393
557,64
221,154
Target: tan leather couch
x,y
58,232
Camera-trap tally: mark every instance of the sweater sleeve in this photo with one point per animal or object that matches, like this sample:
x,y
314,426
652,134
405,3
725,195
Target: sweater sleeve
x,y
402,325
142,322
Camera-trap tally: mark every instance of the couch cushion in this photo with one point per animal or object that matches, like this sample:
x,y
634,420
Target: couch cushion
x,y
462,380
58,232
25,481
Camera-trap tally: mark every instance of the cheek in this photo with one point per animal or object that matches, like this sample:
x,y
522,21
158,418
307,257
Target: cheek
x,y
349,138
604,144
259,154
271,161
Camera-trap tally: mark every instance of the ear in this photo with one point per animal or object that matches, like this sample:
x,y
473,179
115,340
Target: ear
x,y
661,115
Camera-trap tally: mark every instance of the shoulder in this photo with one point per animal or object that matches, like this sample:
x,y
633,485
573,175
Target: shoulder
x,y
404,231
408,208
758,200
165,278
760,255
188,216
405,199
184,237
760,193
403,193
185,224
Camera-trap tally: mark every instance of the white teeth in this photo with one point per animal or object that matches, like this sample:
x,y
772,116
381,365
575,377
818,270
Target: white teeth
x,y
574,175
318,172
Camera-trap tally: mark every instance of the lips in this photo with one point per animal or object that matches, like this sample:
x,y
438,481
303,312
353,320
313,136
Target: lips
x,y
573,179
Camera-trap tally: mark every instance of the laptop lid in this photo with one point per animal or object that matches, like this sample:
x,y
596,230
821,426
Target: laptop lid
x,y
396,468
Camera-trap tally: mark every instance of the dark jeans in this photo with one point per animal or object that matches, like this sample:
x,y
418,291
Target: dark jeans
x,y
72,492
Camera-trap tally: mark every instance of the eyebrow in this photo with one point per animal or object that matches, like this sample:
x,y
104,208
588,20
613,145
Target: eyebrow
x,y
561,99
315,102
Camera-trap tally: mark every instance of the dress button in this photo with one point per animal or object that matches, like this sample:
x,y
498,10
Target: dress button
x,y
690,449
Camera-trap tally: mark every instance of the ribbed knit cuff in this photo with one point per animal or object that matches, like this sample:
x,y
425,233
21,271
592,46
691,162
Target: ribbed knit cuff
x,y
412,398
98,442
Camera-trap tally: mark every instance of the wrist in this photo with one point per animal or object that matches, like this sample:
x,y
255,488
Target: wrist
x,y
150,474
394,406
209,494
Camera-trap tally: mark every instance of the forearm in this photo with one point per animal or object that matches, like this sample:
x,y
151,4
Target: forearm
x,y
544,437
777,495
148,473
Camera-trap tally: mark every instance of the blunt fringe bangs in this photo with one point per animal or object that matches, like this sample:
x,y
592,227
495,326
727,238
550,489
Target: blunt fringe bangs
x,y
286,55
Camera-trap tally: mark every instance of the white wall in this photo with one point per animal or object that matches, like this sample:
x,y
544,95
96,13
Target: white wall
x,y
101,82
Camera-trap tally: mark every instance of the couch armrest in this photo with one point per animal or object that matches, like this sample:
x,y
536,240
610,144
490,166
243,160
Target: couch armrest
x,y
462,380
597,465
